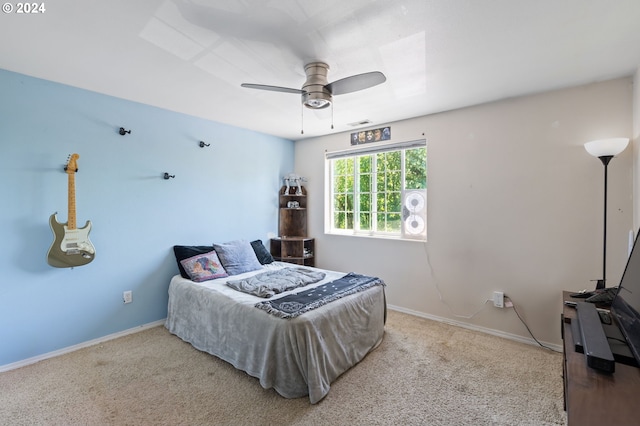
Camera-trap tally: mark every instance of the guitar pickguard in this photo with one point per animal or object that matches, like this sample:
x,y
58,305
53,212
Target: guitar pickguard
x,y
76,241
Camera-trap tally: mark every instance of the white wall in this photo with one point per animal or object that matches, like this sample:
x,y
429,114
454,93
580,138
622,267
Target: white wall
x,y
514,204
636,150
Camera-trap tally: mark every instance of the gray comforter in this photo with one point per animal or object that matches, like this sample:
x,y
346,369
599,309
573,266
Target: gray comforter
x,y
296,357
268,284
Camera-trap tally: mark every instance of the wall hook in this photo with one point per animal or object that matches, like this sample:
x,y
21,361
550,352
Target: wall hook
x,y
202,144
167,175
123,131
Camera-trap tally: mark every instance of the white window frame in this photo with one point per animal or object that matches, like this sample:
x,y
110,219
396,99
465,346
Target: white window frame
x,y
329,191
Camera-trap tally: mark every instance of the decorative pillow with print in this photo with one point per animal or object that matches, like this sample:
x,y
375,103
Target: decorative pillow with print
x,y
185,252
204,267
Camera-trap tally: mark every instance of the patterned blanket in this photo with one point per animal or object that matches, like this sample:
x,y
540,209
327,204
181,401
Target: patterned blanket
x,y
268,284
293,305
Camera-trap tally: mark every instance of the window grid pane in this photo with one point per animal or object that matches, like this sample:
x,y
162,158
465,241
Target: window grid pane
x,y
343,170
416,168
367,189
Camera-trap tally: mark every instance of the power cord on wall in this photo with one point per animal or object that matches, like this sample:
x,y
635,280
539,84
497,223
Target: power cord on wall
x,y
513,305
435,283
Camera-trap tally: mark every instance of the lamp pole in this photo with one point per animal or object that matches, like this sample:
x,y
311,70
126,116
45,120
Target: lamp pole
x,y
603,283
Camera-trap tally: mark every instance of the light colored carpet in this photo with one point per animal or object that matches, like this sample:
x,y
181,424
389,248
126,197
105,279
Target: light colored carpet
x,y
424,373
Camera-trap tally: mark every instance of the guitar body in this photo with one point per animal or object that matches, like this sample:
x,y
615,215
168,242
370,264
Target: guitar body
x,y
71,247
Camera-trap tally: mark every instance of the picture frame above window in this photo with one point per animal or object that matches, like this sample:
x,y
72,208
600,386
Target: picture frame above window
x,y
371,135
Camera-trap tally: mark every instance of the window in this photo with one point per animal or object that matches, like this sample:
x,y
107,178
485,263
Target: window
x,y
378,191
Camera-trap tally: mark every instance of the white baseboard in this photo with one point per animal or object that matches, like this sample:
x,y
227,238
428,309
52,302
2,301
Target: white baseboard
x,y
68,349
514,337
33,360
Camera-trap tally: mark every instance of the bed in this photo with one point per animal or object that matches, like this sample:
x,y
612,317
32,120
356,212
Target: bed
x,y
298,355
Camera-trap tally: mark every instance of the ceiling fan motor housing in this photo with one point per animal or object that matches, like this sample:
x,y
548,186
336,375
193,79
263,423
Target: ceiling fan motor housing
x,y
316,95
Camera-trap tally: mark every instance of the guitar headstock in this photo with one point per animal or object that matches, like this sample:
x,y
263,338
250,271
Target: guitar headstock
x,y
72,165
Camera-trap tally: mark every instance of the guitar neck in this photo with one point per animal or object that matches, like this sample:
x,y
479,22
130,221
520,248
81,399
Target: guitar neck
x,y
71,219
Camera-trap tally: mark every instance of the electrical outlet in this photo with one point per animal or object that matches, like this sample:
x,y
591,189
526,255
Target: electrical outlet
x,y
498,299
127,296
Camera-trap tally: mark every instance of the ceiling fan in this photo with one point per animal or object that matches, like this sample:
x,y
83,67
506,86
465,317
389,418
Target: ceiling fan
x,y
317,92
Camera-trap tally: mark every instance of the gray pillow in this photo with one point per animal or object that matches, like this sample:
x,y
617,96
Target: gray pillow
x,y
237,257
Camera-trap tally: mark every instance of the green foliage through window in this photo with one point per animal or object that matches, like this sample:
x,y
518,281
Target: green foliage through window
x,y
367,189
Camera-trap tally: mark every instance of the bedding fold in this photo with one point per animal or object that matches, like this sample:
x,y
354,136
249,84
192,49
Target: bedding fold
x,y
268,284
292,305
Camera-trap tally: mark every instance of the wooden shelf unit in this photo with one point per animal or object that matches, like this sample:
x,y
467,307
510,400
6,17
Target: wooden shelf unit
x,y
298,250
292,245
292,220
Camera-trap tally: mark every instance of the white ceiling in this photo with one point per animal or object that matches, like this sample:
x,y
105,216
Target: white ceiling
x,y
190,56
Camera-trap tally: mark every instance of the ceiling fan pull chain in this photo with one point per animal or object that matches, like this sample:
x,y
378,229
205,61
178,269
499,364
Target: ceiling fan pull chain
x,y
301,120
331,115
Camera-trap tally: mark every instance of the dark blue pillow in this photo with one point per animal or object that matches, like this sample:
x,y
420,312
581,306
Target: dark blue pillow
x,y
262,253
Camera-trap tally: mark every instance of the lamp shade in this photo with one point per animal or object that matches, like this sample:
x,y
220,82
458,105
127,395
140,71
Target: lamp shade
x,y
606,147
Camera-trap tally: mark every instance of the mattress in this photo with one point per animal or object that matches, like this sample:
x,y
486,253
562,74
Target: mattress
x,y
297,356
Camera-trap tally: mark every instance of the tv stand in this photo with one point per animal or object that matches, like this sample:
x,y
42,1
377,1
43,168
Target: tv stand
x,y
592,396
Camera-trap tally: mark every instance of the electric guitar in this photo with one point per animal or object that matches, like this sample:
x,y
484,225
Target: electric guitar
x,y
71,246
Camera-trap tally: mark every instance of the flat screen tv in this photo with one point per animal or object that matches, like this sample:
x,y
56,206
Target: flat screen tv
x,y
625,307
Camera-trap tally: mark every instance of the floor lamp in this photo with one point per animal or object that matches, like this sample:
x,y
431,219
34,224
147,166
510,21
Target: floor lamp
x,y
605,150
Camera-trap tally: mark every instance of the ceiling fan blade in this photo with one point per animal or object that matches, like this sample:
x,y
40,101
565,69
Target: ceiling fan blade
x,y
356,82
272,88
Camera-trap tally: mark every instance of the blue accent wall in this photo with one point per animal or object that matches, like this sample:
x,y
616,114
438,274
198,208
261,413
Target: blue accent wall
x,y
219,193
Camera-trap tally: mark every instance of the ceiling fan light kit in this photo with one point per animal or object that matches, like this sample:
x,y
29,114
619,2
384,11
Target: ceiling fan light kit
x,y
316,100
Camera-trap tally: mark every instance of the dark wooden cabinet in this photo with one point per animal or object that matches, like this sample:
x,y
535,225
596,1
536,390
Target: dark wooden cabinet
x,y
296,250
292,245
293,212
592,397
